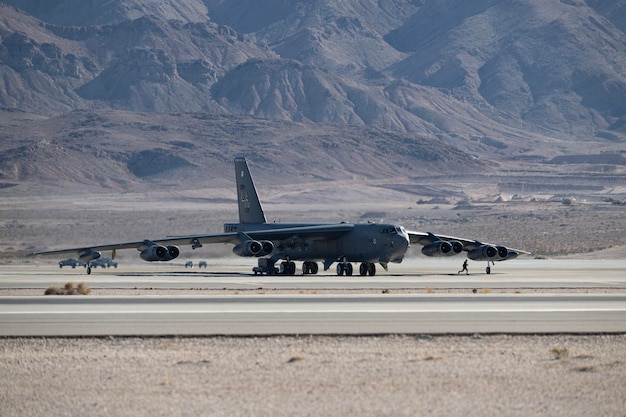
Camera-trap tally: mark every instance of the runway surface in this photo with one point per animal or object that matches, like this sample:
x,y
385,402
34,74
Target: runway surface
x,y
530,296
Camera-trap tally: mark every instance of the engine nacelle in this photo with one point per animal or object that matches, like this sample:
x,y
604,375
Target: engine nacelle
x,y
86,257
172,253
484,253
248,248
254,248
159,253
443,248
267,247
503,252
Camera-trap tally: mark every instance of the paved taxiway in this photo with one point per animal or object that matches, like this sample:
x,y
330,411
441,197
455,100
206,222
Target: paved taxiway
x,y
543,297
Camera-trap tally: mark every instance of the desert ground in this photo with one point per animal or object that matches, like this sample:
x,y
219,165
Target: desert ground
x,y
547,224
560,375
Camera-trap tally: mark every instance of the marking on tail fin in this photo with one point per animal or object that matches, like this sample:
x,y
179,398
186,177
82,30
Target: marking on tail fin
x,y
250,210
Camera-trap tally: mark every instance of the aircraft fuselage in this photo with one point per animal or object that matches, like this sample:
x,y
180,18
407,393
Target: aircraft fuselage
x,y
364,242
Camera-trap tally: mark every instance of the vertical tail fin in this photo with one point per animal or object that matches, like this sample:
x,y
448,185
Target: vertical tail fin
x,y
250,210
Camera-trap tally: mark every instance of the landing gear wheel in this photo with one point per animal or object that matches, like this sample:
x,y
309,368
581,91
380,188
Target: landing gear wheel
x,y
488,270
344,268
89,270
288,268
309,267
367,268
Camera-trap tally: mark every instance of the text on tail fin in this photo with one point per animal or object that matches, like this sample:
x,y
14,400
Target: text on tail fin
x,y
250,210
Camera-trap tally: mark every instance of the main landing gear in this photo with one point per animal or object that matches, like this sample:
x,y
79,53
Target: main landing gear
x,y
267,266
288,267
344,268
309,268
366,268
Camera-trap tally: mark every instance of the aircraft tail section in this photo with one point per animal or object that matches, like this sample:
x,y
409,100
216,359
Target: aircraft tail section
x,y
250,210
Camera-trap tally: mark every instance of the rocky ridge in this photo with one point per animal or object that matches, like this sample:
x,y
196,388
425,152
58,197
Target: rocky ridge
x,y
486,84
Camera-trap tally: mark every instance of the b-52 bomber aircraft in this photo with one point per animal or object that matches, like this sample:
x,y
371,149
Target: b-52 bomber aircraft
x,y
343,243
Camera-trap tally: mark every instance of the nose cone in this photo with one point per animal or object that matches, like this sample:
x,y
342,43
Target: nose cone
x,y
400,246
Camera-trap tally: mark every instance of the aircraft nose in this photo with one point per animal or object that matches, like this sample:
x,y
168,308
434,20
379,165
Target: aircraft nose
x,y
405,244
400,245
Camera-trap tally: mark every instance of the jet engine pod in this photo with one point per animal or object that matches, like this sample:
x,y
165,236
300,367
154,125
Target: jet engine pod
x,y
483,253
504,253
268,247
438,248
172,253
88,256
443,248
249,248
155,253
457,247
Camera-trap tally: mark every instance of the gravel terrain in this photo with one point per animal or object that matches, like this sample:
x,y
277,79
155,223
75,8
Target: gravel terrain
x,y
501,375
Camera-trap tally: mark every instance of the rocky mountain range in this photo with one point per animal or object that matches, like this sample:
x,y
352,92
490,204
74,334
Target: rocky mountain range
x,y
514,79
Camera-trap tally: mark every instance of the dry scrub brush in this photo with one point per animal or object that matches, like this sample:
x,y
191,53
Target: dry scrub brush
x,y
559,353
68,289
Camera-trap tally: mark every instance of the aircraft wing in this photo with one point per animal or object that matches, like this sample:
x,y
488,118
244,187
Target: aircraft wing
x,y
425,238
139,245
476,250
316,232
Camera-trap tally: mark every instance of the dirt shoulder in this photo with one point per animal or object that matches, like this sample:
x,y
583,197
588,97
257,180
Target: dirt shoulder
x,y
556,375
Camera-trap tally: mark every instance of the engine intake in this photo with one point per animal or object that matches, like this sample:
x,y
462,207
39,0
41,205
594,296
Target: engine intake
x,y
503,252
172,253
159,253
484,253
254,248
248,248
443,248
268,247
